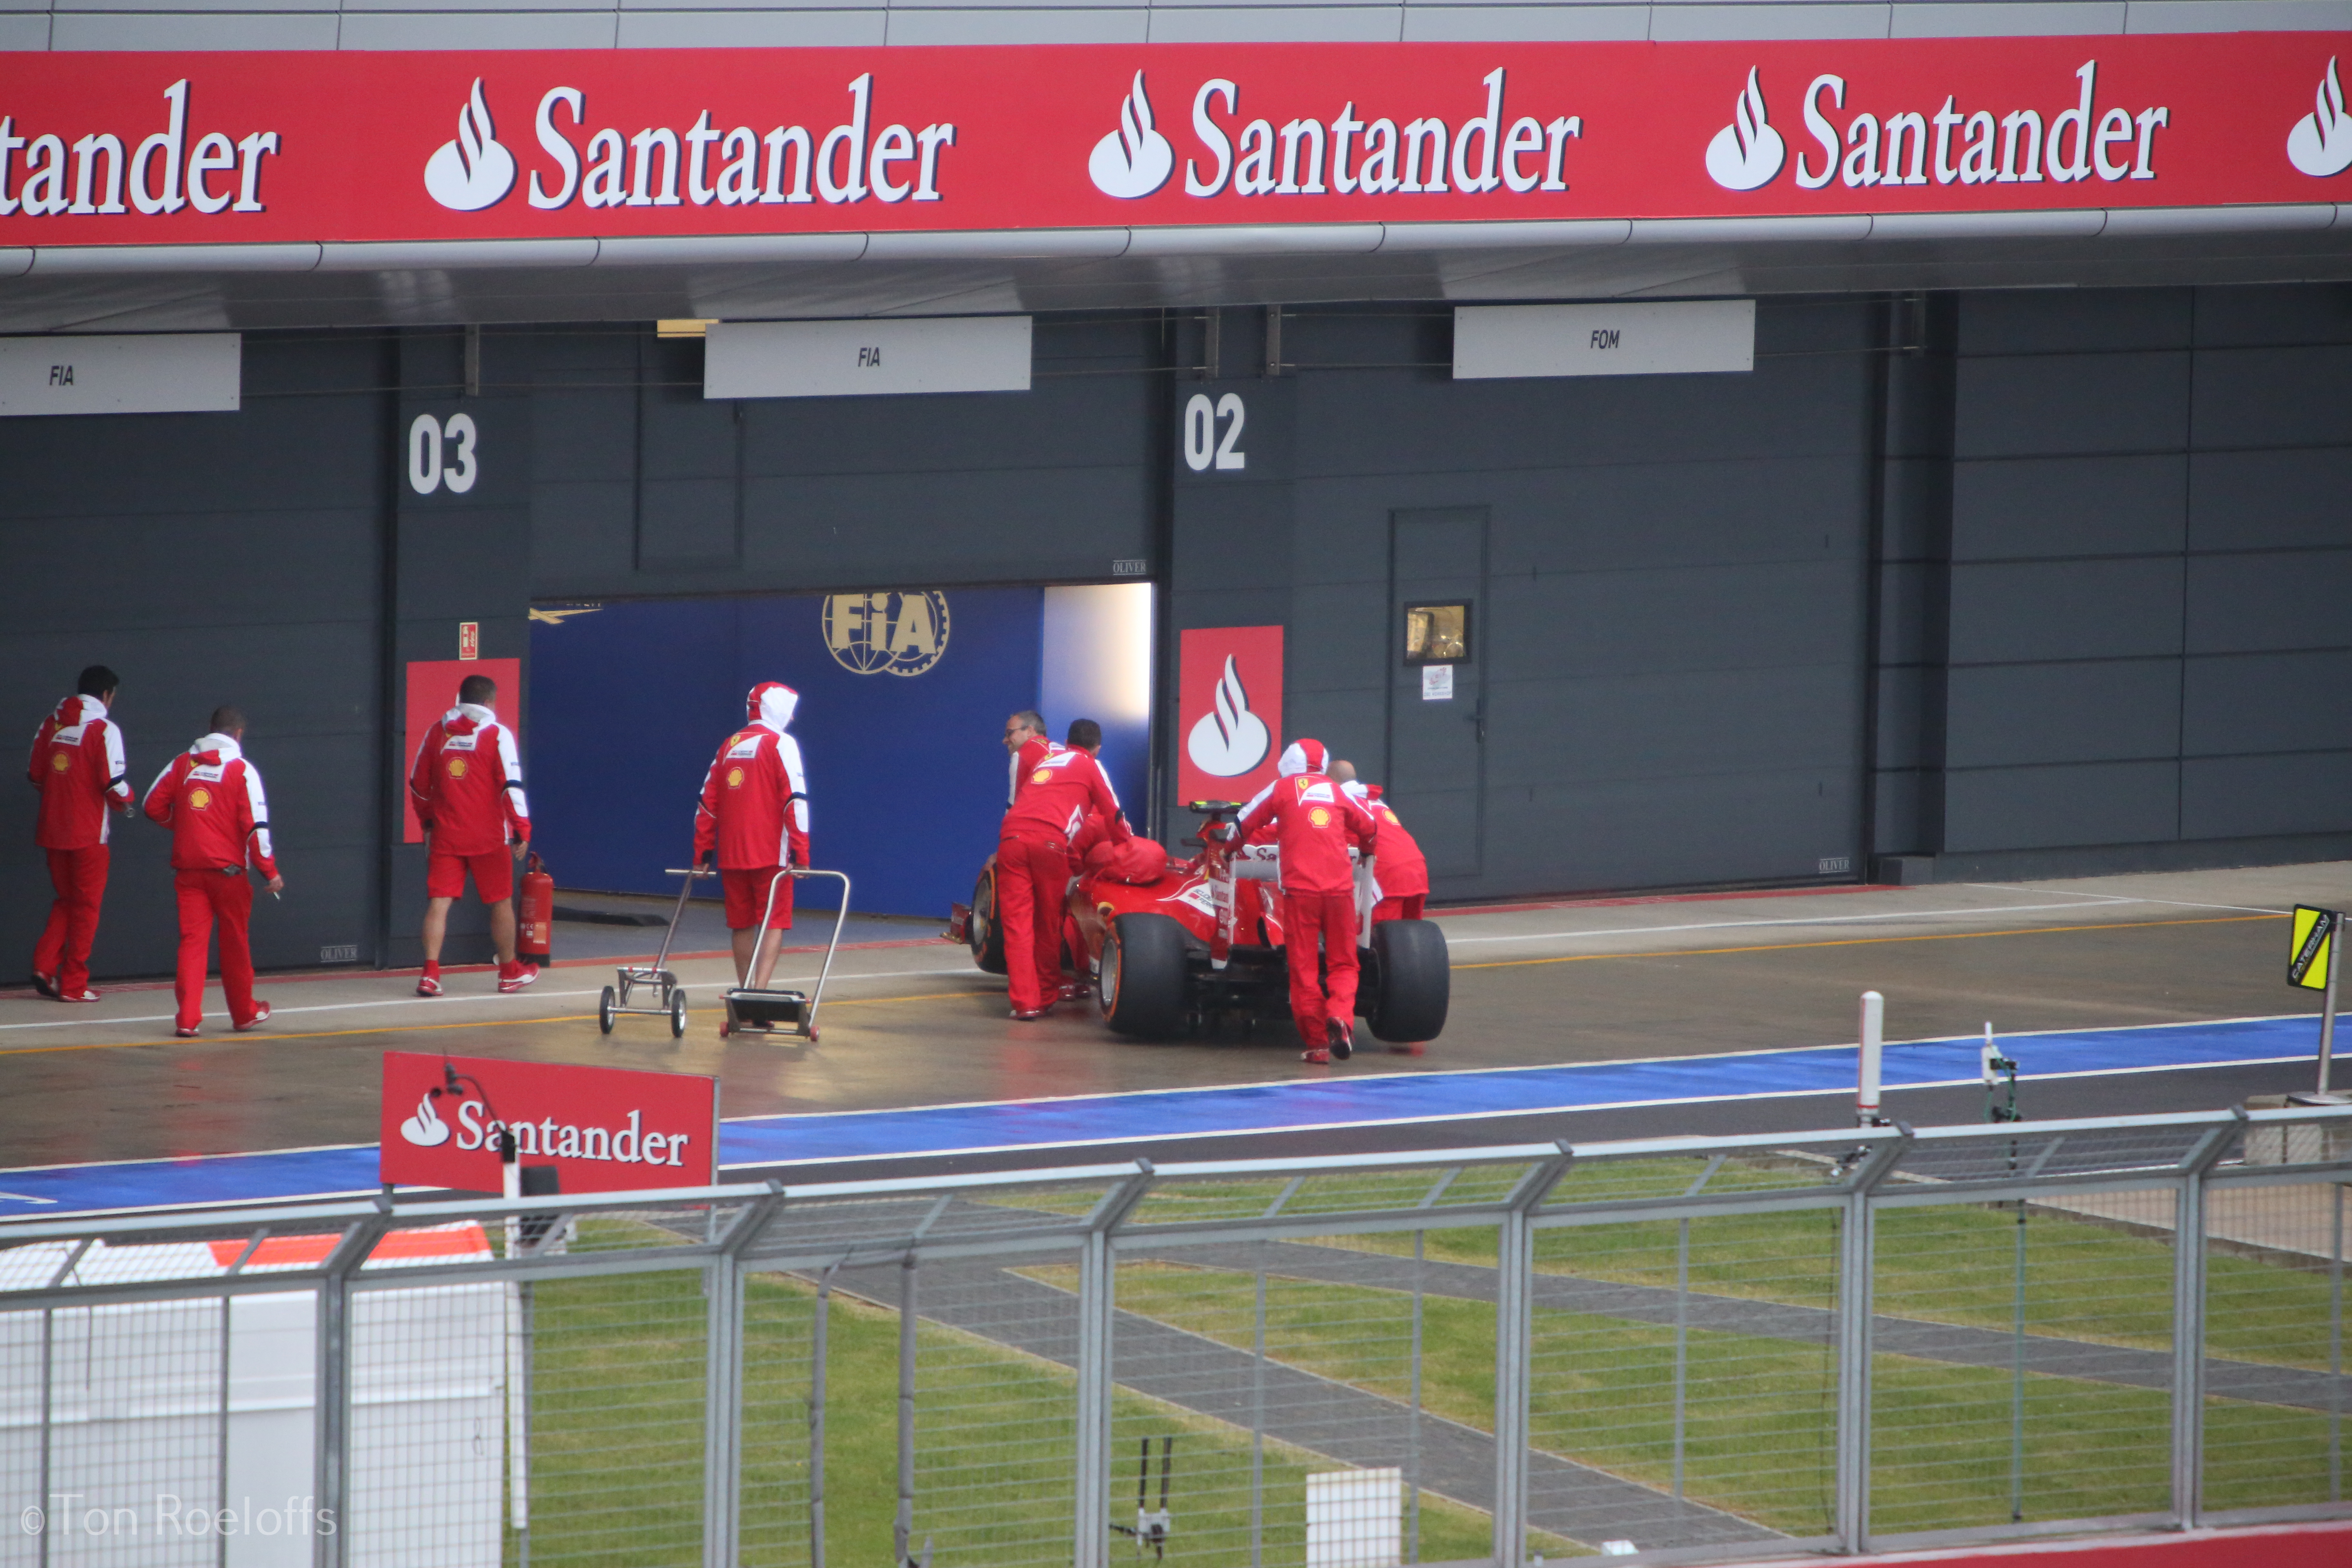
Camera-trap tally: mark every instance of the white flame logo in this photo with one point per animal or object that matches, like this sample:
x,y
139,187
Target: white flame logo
x,y
1134,160
2321,143
426,1128
1230,739
473,171
1746,153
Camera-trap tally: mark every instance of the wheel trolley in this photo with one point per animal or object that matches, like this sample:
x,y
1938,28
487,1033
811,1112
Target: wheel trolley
x,y
617,997
754,1011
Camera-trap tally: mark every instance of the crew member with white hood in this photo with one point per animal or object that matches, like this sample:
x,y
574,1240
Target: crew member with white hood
x,y
467,785
1314,823
212,800
754,823
77,766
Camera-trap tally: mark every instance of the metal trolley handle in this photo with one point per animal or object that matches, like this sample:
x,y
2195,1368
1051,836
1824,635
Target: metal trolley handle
x,y
840,917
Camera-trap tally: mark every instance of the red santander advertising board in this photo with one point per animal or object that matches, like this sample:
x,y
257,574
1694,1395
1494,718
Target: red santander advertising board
x,y
1228,710
604,1130
199,148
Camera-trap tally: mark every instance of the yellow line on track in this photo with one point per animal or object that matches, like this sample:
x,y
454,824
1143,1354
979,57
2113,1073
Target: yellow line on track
x,y
1861,940
420,1028
1491,963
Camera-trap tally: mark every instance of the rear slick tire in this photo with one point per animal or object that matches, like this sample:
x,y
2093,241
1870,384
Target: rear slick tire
x,y
1416,983
1143,978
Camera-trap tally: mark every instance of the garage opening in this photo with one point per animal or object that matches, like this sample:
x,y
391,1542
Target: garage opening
x,y
903,697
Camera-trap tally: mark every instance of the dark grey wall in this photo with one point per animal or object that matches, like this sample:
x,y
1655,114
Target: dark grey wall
x,y
2148,558
208,558
641,487
1670,635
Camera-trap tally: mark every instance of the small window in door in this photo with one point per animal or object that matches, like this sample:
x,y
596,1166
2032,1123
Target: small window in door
x,y
1437,634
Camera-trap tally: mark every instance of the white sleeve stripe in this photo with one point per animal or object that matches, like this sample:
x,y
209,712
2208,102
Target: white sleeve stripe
x,y
258,799
788,751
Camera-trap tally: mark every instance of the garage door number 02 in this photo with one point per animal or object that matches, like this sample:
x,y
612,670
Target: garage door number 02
x,y
1203,449
441,453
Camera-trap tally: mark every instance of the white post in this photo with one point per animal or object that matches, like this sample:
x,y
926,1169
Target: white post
x,y
518,1396
1874,1047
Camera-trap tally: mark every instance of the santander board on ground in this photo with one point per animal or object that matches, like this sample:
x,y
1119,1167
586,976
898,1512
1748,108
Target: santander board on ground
x,y
254,147
602,1130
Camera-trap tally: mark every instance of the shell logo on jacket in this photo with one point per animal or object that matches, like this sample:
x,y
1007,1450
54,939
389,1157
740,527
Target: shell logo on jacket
x,y
199,798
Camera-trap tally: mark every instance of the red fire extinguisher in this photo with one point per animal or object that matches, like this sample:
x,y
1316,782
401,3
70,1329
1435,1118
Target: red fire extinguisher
x,y
535,914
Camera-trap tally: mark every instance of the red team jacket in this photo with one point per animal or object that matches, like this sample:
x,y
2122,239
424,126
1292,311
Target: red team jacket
x,y
1403,871
467,784
1058,790
212,800
77,766
755,808
1313,821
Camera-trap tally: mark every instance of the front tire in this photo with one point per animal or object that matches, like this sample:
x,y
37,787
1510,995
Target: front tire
x,y
1416,984
1143,978
985,934
605,1011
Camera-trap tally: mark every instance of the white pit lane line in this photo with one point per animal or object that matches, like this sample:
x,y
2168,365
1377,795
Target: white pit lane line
x,y
2082,901
443,1001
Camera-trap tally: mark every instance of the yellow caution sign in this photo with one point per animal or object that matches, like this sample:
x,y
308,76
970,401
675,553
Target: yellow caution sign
x,y
2309,955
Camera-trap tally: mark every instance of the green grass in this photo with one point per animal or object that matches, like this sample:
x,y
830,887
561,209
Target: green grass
x,y
618,1389
1758,1425
617,1442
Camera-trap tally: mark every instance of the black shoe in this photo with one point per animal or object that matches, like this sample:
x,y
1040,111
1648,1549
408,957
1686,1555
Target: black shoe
x,y
1343,1041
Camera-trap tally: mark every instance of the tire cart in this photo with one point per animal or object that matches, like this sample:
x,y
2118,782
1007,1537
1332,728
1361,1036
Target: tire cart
x,y
616,998
789,1013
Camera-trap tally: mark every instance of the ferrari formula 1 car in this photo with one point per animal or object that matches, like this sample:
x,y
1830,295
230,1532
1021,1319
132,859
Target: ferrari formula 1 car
x,y
1177,947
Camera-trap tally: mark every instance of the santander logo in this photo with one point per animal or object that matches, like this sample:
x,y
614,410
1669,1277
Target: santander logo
x,y
1230,739
2321,143
1134,160
426,1128
1746,153
474,172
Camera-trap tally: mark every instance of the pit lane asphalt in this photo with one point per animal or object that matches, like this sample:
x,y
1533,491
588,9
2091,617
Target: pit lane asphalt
x,y
908,1022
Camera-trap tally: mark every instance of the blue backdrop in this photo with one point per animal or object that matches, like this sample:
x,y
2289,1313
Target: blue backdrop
x,y
905,774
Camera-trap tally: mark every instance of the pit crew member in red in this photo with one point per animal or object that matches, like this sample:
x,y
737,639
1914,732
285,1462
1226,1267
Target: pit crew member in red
x,y
1058,790
212,800
77,766
754,823
467,784
1401,885
1315,821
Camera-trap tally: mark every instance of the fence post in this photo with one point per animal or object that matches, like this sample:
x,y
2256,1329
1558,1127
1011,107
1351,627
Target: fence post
x,y
1090,1525
723,1388
2189,1322
1857,1251
331,1389
1514,1346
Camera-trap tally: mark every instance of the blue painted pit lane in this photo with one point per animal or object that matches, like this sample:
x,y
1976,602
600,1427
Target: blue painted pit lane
x,y
1160,1116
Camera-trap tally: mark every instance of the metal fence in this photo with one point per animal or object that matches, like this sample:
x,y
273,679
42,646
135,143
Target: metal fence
x,y
1681,1349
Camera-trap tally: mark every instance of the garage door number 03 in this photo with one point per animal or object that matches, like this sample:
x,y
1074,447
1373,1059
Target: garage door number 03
x,y
1203,449
441,454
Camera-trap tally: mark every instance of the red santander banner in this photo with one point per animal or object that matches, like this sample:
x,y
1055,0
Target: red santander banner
x,y
1228,711
99,148
604,1130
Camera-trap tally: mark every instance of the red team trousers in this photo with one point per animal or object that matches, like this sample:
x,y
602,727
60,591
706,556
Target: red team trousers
x,y
1033,876
1331,916
205,896
80,878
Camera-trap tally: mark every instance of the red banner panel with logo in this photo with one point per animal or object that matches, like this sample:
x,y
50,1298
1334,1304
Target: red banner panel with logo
x,y
604,1130
1228,711
225,147
431,692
